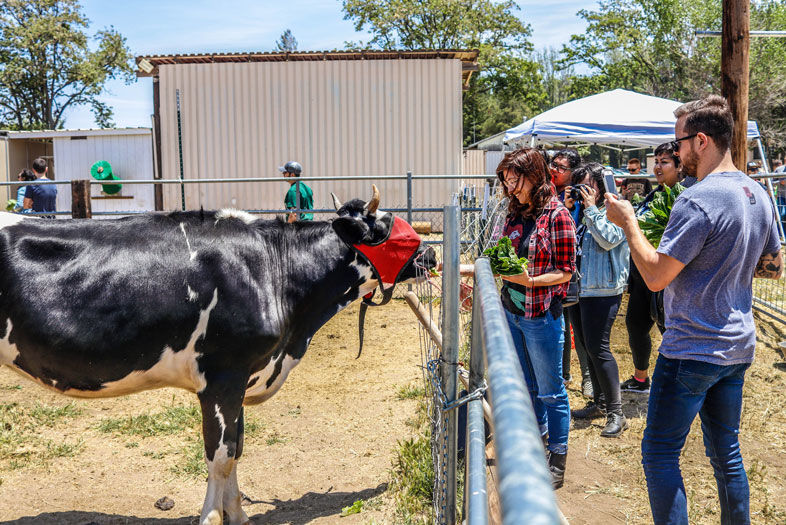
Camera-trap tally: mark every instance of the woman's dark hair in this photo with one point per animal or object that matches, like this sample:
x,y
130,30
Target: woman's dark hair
x,y
27,175
667,149
595,171
529,164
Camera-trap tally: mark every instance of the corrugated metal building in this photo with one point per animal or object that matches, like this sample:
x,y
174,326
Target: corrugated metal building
x,y
71,153
337,113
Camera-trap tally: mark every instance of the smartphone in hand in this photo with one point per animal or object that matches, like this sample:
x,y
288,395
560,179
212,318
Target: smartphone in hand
x,y
611,184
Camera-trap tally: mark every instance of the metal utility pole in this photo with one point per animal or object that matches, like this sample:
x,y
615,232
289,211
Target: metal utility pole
x,y
735,48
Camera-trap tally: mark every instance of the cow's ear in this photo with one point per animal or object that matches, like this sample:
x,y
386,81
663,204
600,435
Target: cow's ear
x,y
350,230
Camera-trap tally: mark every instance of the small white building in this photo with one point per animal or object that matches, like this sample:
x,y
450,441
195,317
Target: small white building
x,y
70,154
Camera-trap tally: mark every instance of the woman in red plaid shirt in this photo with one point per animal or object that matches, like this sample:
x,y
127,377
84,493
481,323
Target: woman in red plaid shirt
x,y
540,229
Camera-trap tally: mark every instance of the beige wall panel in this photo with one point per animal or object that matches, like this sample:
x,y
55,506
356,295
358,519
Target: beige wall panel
x,y
350,118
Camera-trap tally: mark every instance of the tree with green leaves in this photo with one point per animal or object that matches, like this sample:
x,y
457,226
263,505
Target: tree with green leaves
x,y
286,42
650,46
508,86
48,66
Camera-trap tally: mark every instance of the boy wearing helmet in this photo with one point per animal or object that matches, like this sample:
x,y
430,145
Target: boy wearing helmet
x,y
292,170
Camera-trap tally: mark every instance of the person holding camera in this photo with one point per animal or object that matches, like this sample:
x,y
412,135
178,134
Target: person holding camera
x,y
604,262
572,201
540,229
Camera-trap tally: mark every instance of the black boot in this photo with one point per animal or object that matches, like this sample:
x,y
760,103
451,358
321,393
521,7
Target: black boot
x,y
615,425
591,411
557,469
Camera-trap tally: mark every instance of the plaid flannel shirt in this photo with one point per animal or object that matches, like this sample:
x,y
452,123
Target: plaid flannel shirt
x,y
552,246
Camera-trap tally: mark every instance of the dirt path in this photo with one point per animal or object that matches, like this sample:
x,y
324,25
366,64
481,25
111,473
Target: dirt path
x,y
324,441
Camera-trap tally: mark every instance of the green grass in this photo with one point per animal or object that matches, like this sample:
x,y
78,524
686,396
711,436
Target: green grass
x,y
21,442
173,420
191,461
413,479
411,392
275,438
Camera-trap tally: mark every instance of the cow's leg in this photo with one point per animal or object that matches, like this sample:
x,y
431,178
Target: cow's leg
x,y
232,497
221,409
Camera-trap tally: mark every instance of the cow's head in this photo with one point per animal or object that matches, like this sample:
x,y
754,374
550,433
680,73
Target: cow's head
x,y
380,237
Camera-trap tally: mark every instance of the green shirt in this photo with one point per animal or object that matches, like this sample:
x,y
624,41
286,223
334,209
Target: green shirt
x,y
306,200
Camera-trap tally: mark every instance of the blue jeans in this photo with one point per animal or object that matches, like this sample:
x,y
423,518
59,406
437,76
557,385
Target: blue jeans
x,y
681,388
538,344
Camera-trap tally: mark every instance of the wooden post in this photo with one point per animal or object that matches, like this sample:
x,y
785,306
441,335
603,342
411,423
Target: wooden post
x,y
735,48
80,200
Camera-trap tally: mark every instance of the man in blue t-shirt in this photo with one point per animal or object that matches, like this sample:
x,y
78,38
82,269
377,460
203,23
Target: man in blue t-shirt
x,y
41,197
720,235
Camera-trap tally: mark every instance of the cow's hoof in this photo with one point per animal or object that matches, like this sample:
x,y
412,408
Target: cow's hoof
x,y
213,518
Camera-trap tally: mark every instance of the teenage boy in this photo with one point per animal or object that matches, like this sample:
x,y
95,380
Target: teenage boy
x,y
292,171
41,197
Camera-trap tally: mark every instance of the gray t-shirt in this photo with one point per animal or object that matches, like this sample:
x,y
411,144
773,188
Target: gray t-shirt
x,y
719,228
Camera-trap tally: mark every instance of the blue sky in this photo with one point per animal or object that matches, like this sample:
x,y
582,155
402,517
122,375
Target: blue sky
x,y
194,26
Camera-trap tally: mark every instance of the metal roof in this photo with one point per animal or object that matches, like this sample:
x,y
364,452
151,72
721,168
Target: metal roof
x,y
52,133
468,57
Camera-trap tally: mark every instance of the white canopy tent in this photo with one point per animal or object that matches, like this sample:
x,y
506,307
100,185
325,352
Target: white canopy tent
x,y
613,117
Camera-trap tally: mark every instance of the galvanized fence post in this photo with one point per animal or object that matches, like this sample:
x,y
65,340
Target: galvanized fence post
x,y
409,208
450,348
526,494
409,197
475,489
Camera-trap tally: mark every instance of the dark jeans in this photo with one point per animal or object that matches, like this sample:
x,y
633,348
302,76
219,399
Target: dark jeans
x,y
566,346
680,389
638,319
593,326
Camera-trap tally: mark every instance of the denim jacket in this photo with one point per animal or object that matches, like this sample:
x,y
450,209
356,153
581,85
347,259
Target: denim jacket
x,y
605,256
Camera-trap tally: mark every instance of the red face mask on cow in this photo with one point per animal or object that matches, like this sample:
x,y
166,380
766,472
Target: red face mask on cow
x,y
391,255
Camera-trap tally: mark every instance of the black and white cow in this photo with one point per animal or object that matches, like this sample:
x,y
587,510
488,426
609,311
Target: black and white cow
x,y
218,303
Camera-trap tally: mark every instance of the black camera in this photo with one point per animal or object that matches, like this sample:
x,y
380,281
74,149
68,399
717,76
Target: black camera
x,y
575,194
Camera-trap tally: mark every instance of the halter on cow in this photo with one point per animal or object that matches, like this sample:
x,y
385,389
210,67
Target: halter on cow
x,y
388,257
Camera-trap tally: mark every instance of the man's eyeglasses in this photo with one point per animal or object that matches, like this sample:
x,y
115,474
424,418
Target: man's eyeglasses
x,y
675,144
561,169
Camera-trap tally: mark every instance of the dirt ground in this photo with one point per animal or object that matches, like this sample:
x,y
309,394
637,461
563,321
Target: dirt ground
x,y
605,484
323,442
327,439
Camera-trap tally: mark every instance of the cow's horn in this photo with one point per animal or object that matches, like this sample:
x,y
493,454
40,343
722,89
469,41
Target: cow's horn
x,y
373,204
336,202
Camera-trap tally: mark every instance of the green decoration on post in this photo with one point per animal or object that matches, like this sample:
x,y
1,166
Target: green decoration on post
x,y
102,170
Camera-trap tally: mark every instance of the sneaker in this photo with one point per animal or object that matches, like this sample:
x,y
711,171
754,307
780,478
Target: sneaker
x,y
634,385
591,411
586,388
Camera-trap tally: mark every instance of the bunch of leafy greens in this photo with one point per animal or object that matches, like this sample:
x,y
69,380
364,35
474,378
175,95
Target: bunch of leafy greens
x,y
653,221
503,258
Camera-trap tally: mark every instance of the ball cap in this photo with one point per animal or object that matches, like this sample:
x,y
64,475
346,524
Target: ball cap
x,y
291,167
753,165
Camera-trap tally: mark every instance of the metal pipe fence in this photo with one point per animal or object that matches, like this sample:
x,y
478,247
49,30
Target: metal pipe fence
x,y
407,207
524,485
